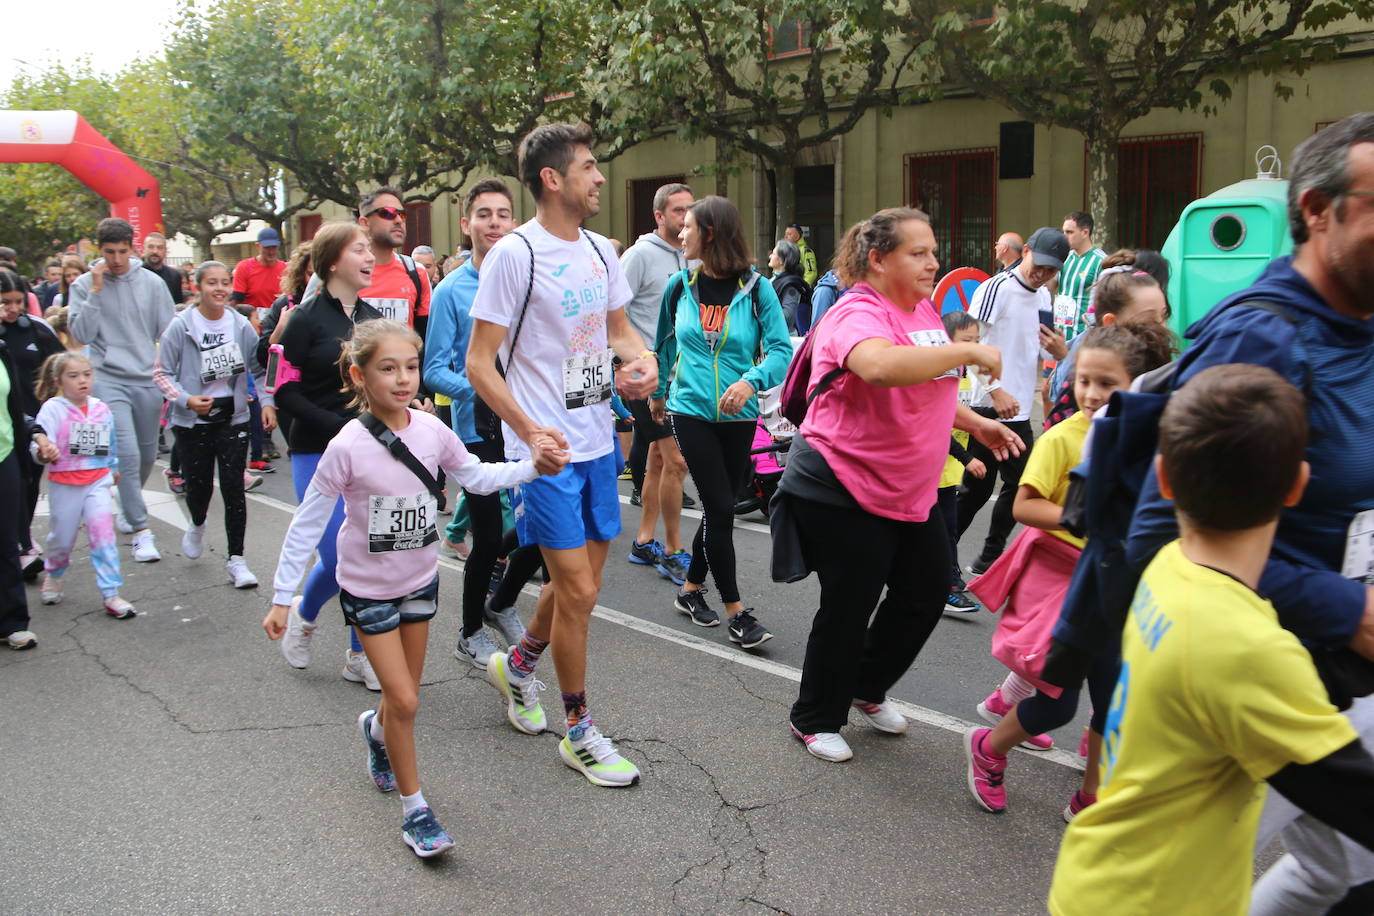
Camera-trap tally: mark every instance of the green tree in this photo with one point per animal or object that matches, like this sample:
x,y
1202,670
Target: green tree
x,y
722,71
1098,65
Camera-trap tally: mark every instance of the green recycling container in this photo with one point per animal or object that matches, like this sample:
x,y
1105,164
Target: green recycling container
x,y
1222,242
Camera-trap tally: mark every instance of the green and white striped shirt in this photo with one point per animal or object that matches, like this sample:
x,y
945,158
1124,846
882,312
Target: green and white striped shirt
x,y
1076,280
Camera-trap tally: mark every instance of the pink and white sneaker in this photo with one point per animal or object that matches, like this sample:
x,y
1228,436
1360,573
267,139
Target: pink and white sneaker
x,y
828,746
985,771
994,708
1077,802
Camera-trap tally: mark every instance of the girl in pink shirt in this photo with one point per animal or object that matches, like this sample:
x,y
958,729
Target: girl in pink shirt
x,y
862,474
388,569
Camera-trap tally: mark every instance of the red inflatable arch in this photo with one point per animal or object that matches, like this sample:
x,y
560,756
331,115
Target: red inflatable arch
x,y
64,138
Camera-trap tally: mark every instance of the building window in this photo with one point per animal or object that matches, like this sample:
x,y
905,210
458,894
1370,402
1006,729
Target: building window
x,y
1321,126
417,224
958,190
1156,178
641,196
788,38
309,225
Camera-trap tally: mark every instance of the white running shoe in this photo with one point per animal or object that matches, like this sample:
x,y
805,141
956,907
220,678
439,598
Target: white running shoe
x,y
145,547
240,574
882,717
251,481
507,622
51,591
594,755
295,645
192,543
478,649
829,746
359,670
119,609
520,693
22,639
122,526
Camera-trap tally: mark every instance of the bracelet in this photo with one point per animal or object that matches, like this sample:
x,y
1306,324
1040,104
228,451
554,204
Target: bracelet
x,y
647,354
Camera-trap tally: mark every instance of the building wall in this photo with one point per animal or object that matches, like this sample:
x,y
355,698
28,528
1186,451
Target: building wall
x,y
871,170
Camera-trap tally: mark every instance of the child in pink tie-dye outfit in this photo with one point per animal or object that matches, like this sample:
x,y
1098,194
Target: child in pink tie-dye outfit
x,y
79,480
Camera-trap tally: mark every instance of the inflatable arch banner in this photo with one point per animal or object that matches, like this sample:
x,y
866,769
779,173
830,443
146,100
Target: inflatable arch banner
x,y
64,138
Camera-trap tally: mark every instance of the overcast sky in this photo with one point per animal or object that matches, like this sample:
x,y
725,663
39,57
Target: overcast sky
x,y
110,34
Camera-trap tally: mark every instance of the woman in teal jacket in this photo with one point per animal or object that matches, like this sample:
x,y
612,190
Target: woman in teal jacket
x,y
721,339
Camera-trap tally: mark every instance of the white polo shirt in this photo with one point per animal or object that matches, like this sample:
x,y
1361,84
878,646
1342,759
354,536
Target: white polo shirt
x,y
1009,313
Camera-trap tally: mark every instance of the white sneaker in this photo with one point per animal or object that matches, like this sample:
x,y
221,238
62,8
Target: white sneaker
x,y
145,547
119,609
295,645
882,717
240,574
51,591
359,670
478,649
121,525
593,755
192,543
251,481
21,639
829,746
507,621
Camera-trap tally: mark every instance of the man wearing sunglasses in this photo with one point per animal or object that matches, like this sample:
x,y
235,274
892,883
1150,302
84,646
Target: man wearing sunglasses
x,y
400,288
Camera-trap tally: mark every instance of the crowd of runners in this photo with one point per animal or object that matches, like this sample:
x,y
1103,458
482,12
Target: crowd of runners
x,y
1197,531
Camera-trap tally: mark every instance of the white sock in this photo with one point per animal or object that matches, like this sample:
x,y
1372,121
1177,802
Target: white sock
x,y
411,803
1016,688
374,728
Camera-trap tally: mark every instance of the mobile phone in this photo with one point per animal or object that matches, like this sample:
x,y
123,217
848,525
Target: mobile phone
x,y
279,370
1047,319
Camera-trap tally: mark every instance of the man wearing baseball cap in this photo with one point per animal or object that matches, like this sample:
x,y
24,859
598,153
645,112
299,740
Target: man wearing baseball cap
x,y
257,280
1008,307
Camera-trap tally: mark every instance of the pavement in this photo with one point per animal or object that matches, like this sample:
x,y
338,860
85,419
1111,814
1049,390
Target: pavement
x,y
174,763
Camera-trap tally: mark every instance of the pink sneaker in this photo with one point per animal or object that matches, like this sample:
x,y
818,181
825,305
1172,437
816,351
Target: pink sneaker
x,y
985,772
994,708
1077,803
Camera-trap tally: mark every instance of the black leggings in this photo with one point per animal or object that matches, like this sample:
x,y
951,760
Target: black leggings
x,y
31,487
485,523
14,602
717,455
1039,713
522,562
854,652
202,447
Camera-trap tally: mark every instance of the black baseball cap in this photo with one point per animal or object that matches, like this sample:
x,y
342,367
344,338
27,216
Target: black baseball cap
x,y
1048,246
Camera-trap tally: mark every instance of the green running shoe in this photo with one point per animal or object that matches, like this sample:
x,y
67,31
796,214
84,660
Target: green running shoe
x,y
593,755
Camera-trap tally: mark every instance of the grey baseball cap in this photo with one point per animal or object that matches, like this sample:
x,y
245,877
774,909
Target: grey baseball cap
x,y
1049,247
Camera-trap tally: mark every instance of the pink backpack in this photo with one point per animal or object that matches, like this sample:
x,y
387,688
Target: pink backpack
x,y
794,398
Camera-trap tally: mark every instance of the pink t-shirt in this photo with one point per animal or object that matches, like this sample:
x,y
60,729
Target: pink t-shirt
x,y
388,543
886,445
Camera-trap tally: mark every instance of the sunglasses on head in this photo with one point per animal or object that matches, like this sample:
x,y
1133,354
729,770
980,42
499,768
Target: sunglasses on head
x,y
388,213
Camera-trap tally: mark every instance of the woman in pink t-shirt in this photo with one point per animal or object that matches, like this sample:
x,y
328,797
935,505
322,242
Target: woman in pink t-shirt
x,y
862,474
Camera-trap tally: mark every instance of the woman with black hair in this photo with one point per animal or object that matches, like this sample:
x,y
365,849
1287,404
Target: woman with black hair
x,y
790,285
722,339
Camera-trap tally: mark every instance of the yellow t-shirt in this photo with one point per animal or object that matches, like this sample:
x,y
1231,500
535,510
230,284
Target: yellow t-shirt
x,y
1056,453
1214,697
953,474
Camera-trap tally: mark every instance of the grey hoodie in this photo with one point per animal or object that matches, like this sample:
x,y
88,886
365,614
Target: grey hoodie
x,y
122,322
178,368
647,265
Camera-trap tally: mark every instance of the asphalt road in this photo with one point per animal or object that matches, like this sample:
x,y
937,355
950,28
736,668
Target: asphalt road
x,y
174,763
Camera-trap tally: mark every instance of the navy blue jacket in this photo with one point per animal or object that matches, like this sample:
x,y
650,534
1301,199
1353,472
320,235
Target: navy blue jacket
x,y
1331,358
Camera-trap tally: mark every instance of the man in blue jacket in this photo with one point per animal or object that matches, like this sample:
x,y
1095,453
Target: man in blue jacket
x,y
1320,575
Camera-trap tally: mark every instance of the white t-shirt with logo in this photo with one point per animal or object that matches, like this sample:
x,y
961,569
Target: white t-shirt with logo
x,y
560,373
1009,311
219,352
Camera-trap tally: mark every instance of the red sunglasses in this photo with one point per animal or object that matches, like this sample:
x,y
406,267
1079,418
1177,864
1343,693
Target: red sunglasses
x,y
388,213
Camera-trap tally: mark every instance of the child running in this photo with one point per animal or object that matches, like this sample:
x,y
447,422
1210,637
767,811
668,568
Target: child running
x,y
388,544
79,477
204,361
961,328
1032,577
1215,695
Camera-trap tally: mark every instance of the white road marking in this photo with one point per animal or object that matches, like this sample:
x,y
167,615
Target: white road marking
x,y
167,508
696,513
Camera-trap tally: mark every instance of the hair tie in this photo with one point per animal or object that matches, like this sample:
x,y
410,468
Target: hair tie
x,y
1140,273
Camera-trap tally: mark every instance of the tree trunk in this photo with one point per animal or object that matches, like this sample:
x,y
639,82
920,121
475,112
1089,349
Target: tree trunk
x,y
1102,187
785,186
204,243
723,158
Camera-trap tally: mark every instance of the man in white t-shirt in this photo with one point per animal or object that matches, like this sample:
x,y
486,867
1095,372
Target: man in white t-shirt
x,y
550,307
1008,306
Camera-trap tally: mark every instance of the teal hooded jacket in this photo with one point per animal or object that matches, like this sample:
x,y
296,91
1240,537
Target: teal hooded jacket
x,y
755,349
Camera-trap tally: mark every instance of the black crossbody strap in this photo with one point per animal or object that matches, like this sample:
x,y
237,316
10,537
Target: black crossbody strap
x,y
529,291
401,453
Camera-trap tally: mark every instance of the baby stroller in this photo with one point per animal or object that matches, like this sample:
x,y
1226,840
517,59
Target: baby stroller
x,y
772,438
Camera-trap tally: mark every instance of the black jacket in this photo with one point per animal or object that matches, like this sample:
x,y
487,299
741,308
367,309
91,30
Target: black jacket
x,y
30,343
173,278
312,343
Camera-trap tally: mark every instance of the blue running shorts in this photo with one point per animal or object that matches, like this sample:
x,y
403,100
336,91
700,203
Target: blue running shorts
x,y
579,504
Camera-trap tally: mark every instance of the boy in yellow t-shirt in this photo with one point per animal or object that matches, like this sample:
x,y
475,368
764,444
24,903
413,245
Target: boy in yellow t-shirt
x,y
961,328
1214,696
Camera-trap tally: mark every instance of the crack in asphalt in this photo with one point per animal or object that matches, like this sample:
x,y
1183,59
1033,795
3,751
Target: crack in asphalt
x,y
739,848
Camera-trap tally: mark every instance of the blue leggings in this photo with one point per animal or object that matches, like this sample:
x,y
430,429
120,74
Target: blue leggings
x,y
1039,713
320,585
